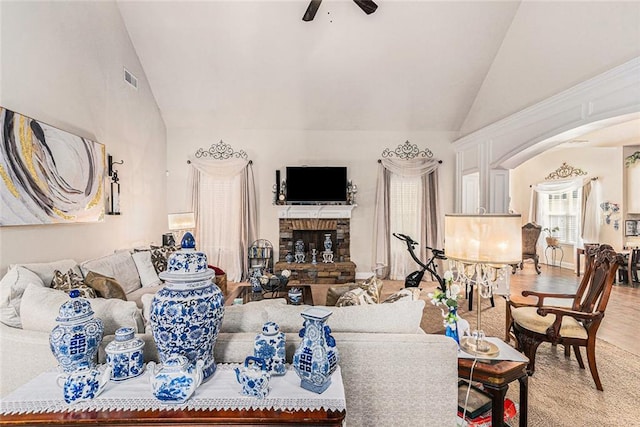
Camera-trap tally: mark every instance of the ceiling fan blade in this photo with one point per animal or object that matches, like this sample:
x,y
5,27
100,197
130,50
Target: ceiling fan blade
x,y
311,10
367,6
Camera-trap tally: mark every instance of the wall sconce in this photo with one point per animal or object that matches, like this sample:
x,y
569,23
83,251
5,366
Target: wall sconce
x,y
114,202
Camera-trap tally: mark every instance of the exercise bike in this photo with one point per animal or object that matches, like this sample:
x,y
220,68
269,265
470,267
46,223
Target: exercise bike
x,y
413,280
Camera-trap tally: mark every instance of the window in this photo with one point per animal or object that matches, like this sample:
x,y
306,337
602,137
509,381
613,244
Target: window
x,y
405,200
563,211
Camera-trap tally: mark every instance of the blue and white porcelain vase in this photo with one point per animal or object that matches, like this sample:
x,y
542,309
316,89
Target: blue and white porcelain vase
x,y
187,313
125,355
76,338
452,330
270,346
328,244
317,357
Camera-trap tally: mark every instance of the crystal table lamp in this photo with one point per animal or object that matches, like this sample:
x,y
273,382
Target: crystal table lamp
x,y
481,245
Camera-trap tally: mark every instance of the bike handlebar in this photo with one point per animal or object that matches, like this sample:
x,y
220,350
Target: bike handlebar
x,y
437,253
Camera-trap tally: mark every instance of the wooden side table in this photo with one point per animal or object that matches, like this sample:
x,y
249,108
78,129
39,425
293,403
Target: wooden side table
x,y
495,376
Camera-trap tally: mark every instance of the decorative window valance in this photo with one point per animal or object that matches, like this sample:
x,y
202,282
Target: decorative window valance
x,y
408,160
228,161
565,171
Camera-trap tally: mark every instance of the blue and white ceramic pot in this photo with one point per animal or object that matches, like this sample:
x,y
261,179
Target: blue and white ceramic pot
x,y
83,384
75,340
270,346
187,313
176,379
125,355
317,357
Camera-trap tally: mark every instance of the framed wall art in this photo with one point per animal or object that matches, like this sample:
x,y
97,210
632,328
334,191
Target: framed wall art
x,y
48,176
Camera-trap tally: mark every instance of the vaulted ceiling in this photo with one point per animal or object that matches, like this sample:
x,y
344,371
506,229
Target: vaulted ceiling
x,y
412,65
258,65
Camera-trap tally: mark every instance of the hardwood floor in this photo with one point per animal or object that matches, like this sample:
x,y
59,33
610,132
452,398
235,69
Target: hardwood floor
x,y
622,310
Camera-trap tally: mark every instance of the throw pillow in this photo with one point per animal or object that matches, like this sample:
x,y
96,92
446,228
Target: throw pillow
x,y
160,256
406,294
45,270
120,266
69,281
40,307
373,287
105,287
335,292
146,270
12,287
356,296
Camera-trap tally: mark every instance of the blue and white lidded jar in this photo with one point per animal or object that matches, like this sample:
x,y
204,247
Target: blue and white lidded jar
x,y
125,355
76,338
187,313
270,346
317,357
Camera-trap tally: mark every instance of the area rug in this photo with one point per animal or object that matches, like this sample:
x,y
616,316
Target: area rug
x,y
560,393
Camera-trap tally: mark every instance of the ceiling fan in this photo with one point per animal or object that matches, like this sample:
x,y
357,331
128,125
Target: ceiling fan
x,y
367,6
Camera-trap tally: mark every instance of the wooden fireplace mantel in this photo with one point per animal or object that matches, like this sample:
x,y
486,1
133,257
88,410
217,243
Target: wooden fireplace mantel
x,y
315,211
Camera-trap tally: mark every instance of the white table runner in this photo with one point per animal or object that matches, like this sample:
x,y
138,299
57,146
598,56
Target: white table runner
x,y
219,392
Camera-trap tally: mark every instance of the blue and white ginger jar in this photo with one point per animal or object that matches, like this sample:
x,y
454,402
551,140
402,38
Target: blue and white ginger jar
x,y
187,313
270,346
317,357
125,355
75,340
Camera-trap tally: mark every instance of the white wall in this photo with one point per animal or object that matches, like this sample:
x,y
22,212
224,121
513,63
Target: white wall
x,y
604,163
552,46
62,64
271,150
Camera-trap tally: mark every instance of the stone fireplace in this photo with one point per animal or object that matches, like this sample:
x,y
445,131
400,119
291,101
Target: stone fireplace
x,y
310,224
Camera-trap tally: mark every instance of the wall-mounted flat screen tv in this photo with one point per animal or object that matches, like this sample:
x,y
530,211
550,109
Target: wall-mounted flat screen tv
x,y
316,184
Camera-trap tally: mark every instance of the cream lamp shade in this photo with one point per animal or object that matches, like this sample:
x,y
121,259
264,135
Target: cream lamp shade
x,y
494,239
182,221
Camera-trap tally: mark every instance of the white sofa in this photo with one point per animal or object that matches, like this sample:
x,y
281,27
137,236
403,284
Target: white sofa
x,y
393,373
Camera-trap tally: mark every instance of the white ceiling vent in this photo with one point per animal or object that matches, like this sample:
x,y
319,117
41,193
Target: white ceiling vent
x,y
131,79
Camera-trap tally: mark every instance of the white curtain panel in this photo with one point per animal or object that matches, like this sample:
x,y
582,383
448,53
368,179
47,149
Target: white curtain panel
x,y
417,214
590,226
224,202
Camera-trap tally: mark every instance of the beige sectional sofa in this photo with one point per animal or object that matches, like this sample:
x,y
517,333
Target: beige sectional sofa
x,y
393,372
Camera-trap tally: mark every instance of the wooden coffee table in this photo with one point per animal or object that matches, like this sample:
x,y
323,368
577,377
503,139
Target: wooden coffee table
x,y
247,295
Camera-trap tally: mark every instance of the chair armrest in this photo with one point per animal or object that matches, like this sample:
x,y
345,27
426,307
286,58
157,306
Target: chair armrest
x,y
542,295
579,315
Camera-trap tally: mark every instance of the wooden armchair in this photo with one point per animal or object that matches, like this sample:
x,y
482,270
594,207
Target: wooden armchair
x,y
530,234
575,327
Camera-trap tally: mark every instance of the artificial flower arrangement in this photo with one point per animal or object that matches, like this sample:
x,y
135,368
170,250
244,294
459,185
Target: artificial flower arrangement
x,y
447,297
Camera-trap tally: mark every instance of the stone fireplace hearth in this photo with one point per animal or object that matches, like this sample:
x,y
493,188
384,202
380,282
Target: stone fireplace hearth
x,y
310,224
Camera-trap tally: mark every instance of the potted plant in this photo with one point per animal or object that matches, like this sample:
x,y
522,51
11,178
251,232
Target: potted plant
x,y
551,239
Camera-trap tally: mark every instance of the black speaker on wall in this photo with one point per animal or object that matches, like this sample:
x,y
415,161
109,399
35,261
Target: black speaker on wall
x,y
277,182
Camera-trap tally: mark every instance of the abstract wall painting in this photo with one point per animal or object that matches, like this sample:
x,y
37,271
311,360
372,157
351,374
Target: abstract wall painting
x,y
48,176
